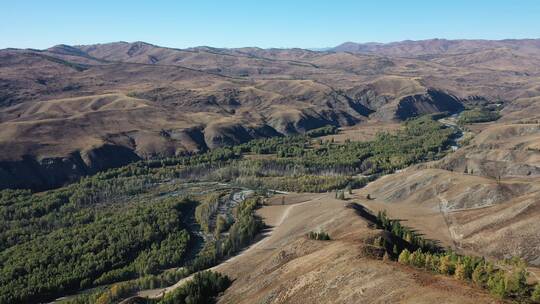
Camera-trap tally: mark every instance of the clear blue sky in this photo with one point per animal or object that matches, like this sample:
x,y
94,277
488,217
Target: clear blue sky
x,y
230,23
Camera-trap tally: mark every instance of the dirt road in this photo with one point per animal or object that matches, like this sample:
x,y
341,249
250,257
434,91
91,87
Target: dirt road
x,y
273,216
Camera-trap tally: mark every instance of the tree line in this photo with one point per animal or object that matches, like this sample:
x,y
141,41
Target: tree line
x,y
504,279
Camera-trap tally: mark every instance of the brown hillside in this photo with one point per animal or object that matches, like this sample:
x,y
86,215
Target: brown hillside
x,y
56,103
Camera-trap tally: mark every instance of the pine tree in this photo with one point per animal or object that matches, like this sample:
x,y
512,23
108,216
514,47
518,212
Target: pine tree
x,y
417,258
460,273
535,297
435,263
427,261
496,285
445,265
516,281
478,275
404,257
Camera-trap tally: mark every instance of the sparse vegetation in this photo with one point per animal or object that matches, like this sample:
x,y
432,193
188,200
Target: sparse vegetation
x,y
319,236
507,279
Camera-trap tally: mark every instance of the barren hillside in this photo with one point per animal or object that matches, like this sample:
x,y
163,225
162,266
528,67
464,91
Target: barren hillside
x,y
484,198
62,105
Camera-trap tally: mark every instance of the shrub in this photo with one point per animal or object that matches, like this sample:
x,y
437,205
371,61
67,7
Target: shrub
x,y
319,236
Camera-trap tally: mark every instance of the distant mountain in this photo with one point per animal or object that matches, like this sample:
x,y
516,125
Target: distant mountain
x,y
323,49
410,48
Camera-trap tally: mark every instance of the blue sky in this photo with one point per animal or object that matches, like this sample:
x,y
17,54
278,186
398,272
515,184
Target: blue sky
x,y
308,24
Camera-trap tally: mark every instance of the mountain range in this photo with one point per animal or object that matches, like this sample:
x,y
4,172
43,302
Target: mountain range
x,y
68,111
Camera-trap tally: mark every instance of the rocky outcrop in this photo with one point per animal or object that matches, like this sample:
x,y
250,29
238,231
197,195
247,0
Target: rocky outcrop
x,y
302,123
432,101
232,134
499,151
46,173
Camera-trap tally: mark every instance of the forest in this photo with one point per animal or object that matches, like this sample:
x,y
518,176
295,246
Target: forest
x,y
322,166
478,115
246,226
93,247
203,289
132,223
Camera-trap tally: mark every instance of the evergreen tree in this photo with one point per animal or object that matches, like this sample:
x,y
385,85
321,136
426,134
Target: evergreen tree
x,y
496,284
428,262
479,275
460,272
516,281
535,297
404,257
445,266
417,259
435,263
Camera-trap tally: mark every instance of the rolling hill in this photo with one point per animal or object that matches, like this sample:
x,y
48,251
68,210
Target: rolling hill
x,y
72,111
65,109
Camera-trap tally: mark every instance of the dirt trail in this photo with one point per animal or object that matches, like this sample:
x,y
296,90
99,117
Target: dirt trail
x,y
287,267
290,268
443,209
281,215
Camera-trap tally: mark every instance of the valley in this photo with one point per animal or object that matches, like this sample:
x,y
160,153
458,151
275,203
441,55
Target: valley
x,y
71,111
132,195
128,170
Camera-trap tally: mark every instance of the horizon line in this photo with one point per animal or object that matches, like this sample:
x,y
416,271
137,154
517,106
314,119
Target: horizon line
x,y
277,47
